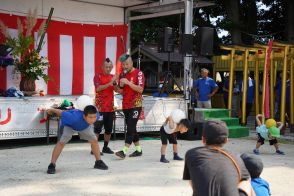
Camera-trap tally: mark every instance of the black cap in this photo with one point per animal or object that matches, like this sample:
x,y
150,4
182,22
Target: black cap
x,y
253,164
213,129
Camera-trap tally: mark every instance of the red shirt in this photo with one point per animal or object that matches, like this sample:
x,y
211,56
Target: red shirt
x,y
131,98
104,98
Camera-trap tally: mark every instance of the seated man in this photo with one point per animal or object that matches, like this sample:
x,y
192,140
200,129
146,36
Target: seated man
x,y
213,171
160,92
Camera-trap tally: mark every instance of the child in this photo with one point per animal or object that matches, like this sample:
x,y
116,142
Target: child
x,y
264,133
168,132
77,121
254,166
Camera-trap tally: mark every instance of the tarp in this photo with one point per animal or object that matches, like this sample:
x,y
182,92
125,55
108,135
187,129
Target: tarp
x,y
75,52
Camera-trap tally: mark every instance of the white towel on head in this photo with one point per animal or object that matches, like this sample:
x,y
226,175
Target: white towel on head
x,y
250,83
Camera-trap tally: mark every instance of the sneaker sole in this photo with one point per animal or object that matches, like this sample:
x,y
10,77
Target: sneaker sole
x,y
135,155
119,156
101,168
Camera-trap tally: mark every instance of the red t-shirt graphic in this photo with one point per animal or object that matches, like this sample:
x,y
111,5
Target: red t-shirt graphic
x,y
104,98
131,98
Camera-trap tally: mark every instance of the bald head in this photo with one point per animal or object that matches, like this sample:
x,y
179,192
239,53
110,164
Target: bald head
x,y
204,72
127,65
107,66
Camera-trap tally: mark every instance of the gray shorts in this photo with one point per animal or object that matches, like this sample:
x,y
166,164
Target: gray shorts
x,y
204,104
86,134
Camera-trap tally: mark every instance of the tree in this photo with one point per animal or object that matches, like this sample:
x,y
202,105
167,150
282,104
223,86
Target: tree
x,y
245,20
290,20
279,19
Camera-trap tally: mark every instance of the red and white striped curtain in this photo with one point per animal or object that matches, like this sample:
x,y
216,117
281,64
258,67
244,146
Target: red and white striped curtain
x,y
75,52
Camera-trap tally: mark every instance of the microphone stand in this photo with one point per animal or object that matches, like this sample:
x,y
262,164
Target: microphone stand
x,y
139,57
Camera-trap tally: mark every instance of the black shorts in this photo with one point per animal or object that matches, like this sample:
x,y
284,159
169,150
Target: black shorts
x,y
131,118
261,140
107,122
172,139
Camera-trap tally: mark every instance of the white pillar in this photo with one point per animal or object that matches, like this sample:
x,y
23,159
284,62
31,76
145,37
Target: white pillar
x,y
187,57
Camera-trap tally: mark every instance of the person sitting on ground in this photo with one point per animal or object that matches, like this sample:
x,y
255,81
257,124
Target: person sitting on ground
x,y
168,131
254,166
213,171
268,131
81,122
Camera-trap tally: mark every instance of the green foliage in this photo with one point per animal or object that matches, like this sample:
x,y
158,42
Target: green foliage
x,y
32,66
28,62
255,23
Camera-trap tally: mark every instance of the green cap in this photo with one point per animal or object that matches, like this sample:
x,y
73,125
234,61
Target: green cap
x,y
123,57
65,103
274,131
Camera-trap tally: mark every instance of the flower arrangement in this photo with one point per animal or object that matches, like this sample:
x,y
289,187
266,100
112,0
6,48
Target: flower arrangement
x,y
28,62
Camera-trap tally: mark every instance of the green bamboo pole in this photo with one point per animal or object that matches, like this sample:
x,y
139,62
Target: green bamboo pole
x,y
45,30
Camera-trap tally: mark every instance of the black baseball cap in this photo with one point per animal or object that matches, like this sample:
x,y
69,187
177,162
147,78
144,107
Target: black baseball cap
x,y
213,129
253,164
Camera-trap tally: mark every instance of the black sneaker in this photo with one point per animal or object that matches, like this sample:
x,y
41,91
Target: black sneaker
x,y
164,160
99,164
136,154
51,168
178,158
101,153
120,154
107,150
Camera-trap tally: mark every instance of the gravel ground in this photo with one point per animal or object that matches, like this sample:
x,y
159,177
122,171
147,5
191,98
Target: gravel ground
x,y
23,170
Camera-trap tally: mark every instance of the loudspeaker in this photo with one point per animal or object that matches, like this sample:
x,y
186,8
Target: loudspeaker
x,y
204,41
166,40
194,133
186,43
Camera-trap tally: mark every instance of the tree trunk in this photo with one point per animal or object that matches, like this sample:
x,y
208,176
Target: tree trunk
x,y
232,9
290,21
250,21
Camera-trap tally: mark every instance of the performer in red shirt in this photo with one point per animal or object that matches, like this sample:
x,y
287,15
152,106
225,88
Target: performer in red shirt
x,y
104,101
131,86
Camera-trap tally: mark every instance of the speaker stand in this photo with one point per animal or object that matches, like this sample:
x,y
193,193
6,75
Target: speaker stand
x,y
168,76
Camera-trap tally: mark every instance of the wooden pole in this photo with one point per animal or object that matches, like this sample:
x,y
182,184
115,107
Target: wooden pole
x,y
292,96
231,81
284,78
272,91
264,84
245,81
256,74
